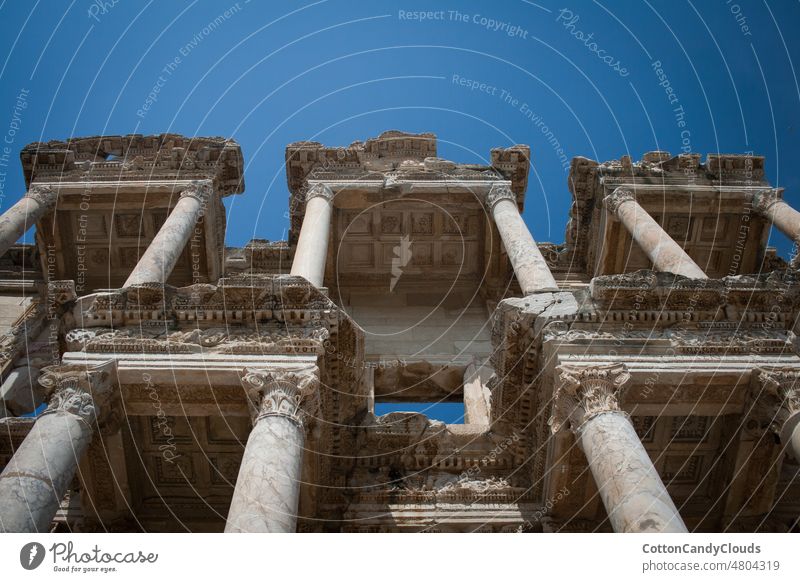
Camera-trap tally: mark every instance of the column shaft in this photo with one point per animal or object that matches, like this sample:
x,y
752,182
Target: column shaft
x,y
311,253
163,253
530,267
587,399
631,489
794,441
35,480
268,486
23,215
666,254
267,490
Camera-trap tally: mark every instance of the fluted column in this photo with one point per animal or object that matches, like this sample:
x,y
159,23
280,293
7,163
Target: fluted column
x,y
770,204
530,267
312,245
779,403
268,486
163,253
666,254
587,400
38,475
38,200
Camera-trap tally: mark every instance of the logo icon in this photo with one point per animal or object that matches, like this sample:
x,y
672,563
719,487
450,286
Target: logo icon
x,y
31,555
402,255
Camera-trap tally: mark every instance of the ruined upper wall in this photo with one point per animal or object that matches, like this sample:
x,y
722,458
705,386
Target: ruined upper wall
x,y
390,156
166,156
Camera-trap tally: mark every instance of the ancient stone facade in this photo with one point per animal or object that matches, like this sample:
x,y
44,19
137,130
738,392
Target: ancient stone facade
x,y
640,377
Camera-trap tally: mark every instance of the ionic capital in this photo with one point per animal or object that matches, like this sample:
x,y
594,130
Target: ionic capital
x,y
586,391
319,189
497,193
84,391
617,198
765,199
778,397
292,393
200,190
44,195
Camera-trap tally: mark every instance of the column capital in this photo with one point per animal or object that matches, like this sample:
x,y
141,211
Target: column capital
x,y
617,198
289,393
585,392
84,391
498,192
764,199
778,398
44,195
319,189
200,190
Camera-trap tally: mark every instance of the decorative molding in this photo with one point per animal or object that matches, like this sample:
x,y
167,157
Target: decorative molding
x,y
778,399
292,393
585,392
765,199
88,392
320,190
497,193
617,198
44,195
286,339
200,190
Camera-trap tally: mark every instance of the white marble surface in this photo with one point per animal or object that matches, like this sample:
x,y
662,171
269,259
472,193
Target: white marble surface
x,y
631,489
37,477
529,265
268,486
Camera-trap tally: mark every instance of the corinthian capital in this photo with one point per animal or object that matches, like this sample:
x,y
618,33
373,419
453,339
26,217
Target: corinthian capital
x,y
319,189
290,393
778,397
617,198
44,195
200,190
499,192
586,391
764,199
84,391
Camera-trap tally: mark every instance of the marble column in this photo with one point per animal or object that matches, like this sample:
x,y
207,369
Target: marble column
x,y
38,200
666,254
312,246
770,204
778,402
36,478
530,267
587,400
165,249
267,490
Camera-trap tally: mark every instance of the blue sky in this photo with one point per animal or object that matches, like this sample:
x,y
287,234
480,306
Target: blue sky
x,y
334,71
